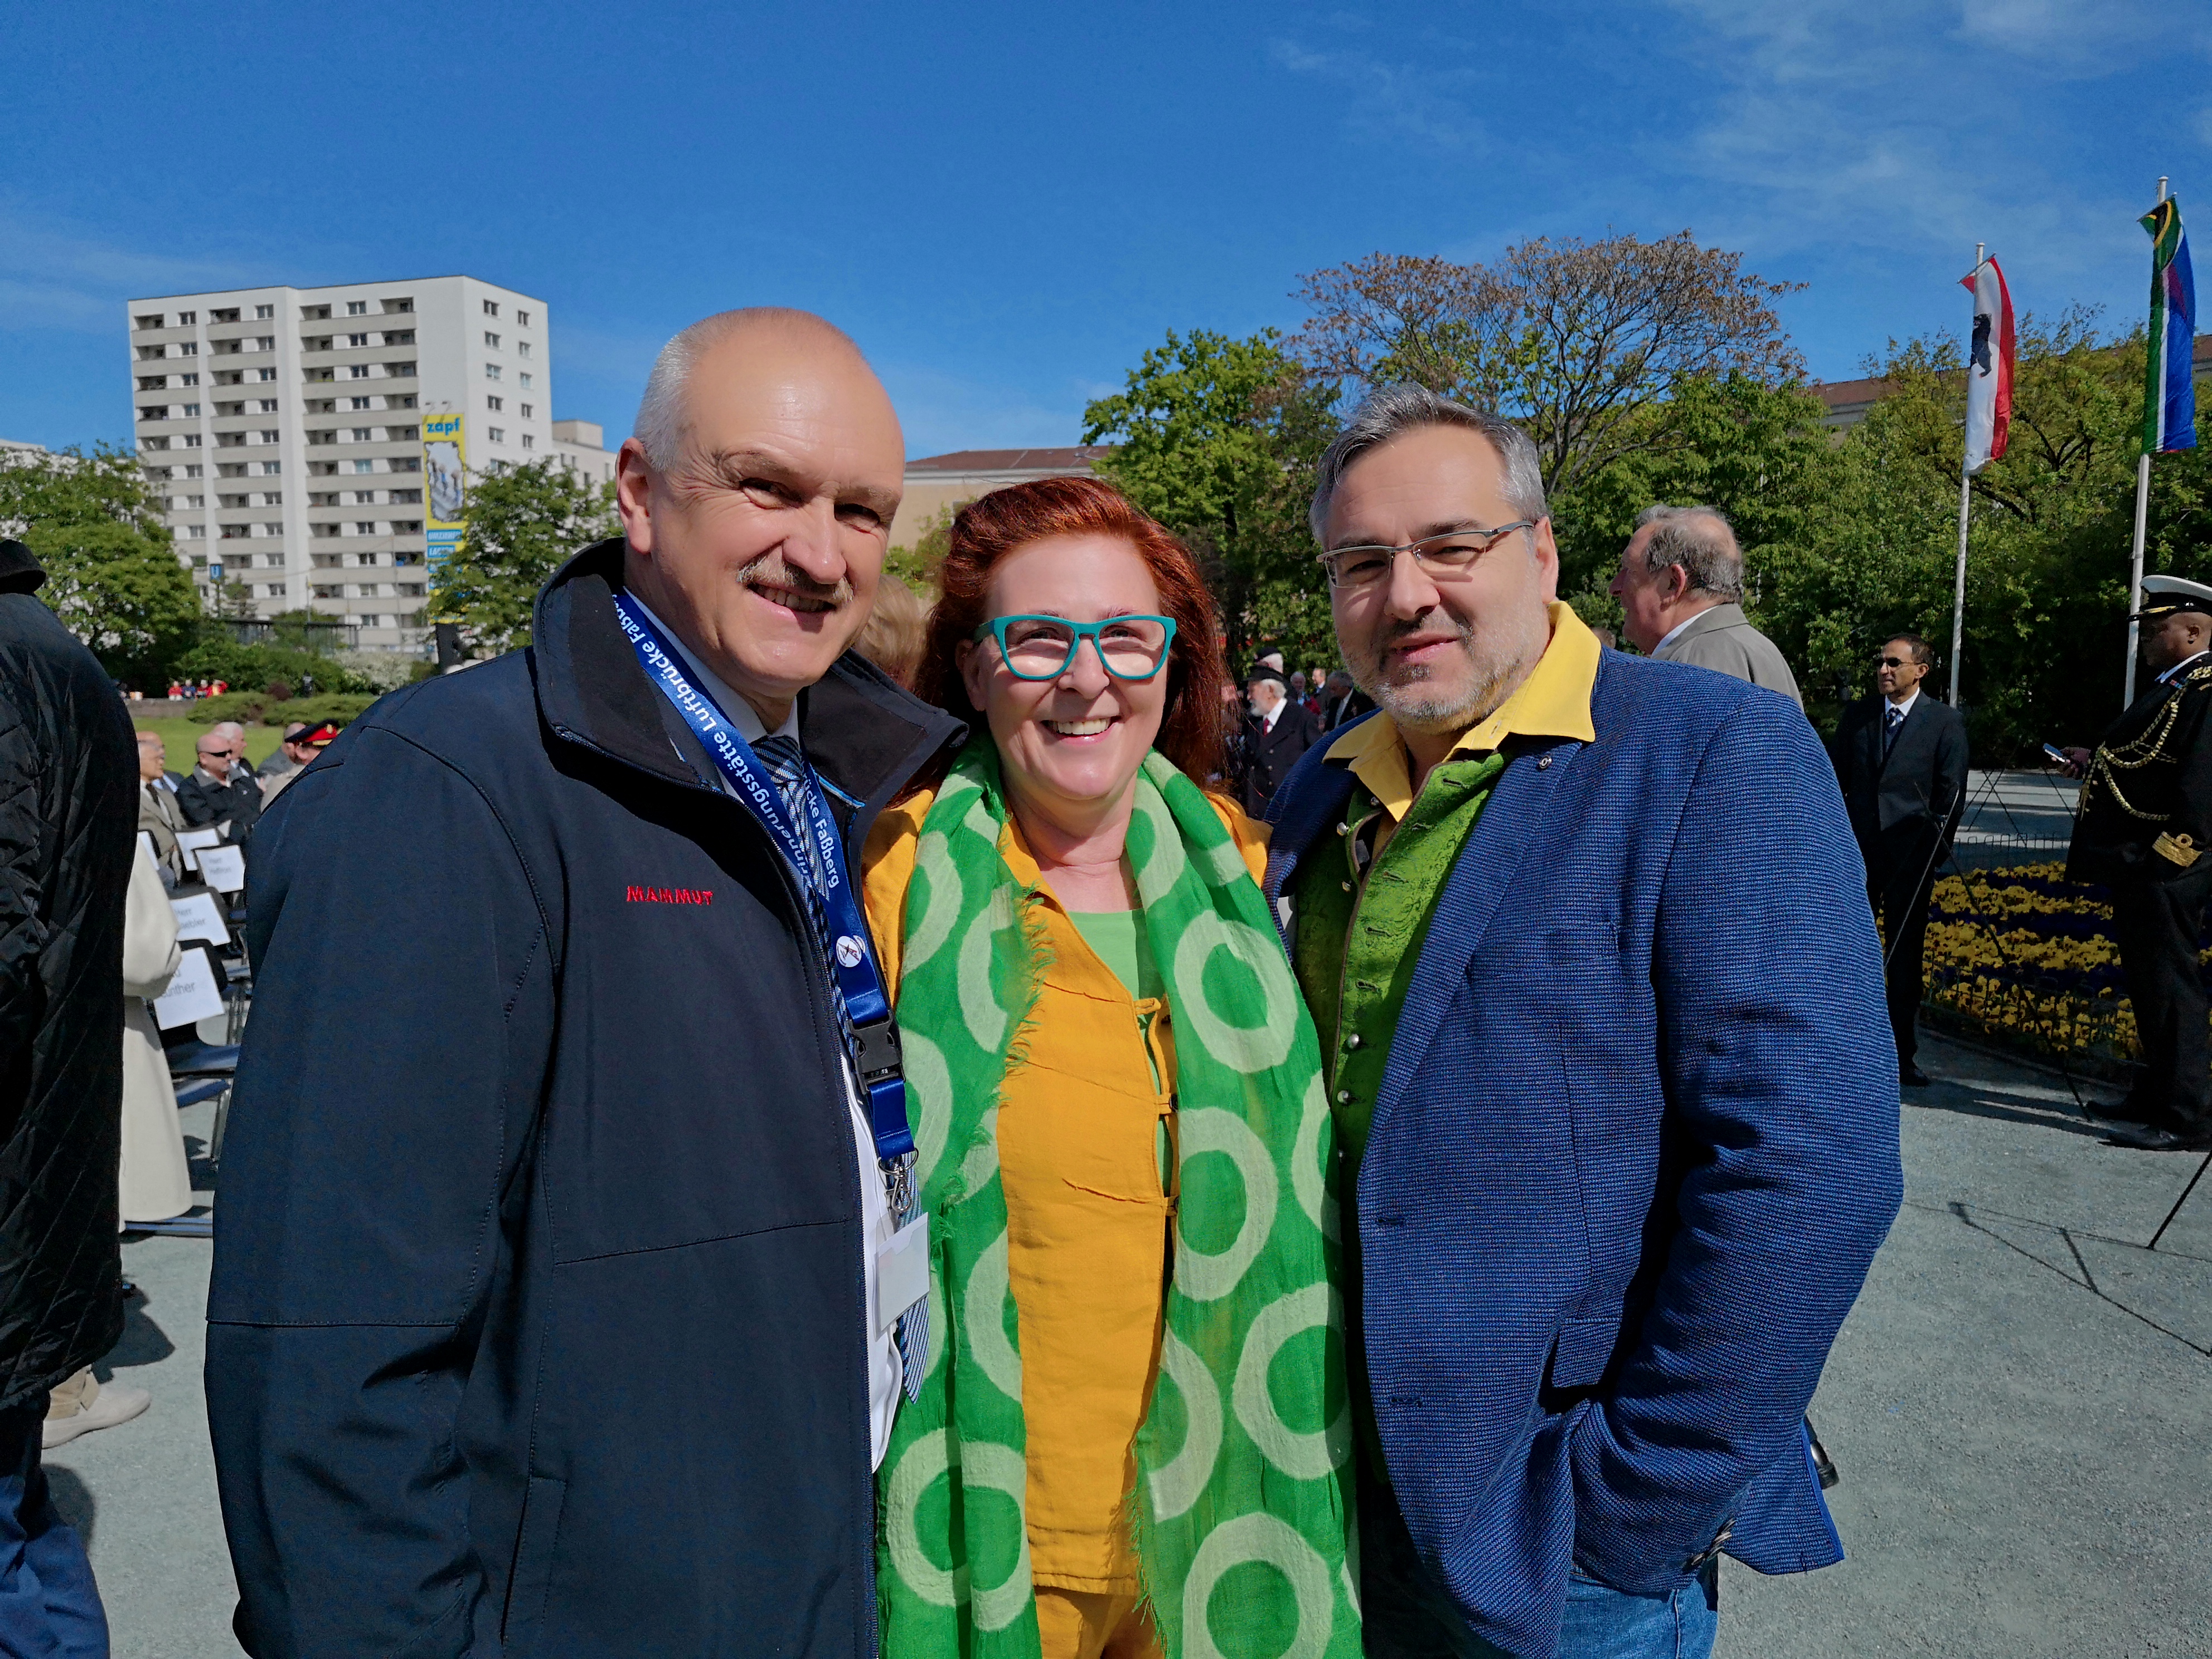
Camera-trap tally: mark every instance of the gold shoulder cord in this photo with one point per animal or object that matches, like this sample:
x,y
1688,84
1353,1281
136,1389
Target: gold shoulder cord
x,y
2133,756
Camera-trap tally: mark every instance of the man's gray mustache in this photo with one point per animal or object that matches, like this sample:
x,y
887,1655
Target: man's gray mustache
x,y
773,571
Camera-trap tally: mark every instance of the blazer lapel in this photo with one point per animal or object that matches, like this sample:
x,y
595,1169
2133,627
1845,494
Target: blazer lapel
x,y
1512,824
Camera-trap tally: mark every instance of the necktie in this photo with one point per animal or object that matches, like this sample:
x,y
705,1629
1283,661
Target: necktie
x,y
1890,721
787,766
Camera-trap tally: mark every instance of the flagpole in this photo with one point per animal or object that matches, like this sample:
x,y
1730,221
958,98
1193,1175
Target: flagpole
x,y
1958,586
2142,516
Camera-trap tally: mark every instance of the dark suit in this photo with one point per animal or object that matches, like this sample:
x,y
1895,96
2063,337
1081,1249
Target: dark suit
x,y
2164,789
1905,796
1270,755
236,801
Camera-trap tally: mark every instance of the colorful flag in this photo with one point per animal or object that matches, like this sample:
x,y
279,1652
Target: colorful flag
x,y
2169,396
1989,367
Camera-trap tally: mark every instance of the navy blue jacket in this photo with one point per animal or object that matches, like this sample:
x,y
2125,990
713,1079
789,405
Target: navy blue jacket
x,y
1636,1147
537,1325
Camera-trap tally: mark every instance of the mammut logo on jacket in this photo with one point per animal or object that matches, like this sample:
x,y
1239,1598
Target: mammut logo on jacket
x,y
636,895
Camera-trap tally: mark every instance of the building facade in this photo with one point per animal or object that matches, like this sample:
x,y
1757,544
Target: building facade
x,y
935,482
282,426
581,447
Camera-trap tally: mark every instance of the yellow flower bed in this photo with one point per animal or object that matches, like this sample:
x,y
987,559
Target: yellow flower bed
x,y
2026,958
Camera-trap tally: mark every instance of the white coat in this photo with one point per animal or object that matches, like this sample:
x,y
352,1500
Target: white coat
x,y
156,1180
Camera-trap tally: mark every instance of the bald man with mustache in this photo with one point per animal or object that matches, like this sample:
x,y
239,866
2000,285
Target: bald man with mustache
x,y
558,1306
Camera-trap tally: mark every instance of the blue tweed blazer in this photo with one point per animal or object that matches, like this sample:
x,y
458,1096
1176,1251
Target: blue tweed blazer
x,y
1635,1150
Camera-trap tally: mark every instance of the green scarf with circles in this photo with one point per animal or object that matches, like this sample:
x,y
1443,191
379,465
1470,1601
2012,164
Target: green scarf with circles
x,y
1241,1516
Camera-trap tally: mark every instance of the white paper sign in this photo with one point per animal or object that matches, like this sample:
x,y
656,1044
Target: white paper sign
x,y
200,917
224,868
189,843
194,994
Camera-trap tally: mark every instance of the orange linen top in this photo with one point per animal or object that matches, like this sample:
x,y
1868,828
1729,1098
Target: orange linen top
x,y
1087,1217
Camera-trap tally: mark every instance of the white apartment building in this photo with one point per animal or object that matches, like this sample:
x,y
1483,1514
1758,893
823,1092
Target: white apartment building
x,y
282,426
582,447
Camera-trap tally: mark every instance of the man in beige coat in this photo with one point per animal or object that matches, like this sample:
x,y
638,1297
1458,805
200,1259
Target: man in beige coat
x,y
1680,587
156,1178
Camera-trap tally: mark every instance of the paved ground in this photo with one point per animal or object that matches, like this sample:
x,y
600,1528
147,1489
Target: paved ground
x,y
2016,818
2022,1403
2021,1406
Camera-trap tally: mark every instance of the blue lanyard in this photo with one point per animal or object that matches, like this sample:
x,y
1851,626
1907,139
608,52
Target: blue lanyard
x,y
852,958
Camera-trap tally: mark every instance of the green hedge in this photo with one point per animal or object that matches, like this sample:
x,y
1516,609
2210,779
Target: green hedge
x,y
251,708
256,667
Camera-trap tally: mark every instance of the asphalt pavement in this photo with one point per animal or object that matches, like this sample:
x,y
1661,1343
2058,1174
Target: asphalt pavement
x,y
2020,1405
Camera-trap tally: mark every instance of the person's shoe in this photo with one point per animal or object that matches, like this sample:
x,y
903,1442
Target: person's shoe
x,y
2129,1110
2160,1138
1911,1076
81,1405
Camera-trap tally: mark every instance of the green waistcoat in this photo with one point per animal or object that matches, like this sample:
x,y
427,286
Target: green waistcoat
x,y
1357,943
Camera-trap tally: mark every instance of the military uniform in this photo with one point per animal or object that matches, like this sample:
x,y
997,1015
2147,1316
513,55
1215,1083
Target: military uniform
x,y
2144,829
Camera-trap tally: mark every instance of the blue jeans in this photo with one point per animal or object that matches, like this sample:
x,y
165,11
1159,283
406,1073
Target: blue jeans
x,y
49,1606
1408,1615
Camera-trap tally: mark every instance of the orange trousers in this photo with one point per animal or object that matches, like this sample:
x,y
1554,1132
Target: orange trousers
x,y
1093,1625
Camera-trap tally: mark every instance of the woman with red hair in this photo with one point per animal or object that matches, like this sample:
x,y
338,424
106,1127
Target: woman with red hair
x,y
1135,1380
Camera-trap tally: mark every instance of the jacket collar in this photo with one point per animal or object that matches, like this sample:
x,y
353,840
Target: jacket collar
x,y
20,570
864,735
1711,620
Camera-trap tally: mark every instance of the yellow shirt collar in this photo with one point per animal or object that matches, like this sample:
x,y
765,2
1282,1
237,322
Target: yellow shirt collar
x,y
1553,702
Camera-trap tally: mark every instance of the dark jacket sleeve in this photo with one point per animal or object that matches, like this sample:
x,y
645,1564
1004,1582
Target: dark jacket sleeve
x,y
1950,796
388,1089
1780,1076
22,933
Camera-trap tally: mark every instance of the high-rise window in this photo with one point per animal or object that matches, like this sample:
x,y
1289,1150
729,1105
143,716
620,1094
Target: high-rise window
x,y
497,435
357,403
269,470
522,319
364,466
357,307
525,378
361,434
267,405
529,411
491,339
186,318
261,375
262,313
194,379
491,371
522,348
528,441
356,370
491,403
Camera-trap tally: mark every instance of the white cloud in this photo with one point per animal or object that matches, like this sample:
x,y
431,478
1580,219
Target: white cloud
x,y
54,275
1384,100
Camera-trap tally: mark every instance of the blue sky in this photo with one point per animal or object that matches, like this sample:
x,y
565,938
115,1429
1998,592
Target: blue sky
x,y
1006,204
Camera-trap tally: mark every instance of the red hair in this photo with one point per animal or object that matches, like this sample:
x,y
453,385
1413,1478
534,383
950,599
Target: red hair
x,y
1006,520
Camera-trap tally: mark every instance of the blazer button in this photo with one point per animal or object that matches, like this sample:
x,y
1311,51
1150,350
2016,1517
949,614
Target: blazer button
x,y
1353,1041
1344,1097
1347,886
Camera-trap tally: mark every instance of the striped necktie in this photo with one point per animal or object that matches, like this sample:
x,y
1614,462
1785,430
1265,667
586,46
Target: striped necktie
x,y
1890,722
786,764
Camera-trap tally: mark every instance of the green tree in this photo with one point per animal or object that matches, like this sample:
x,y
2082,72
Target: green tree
x,y
1589,345
917,566
122,592
112,574
1756,452
523,522
1217,439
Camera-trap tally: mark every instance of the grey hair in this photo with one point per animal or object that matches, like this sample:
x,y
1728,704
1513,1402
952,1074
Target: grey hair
x,y
1391,411
1701,541
659,425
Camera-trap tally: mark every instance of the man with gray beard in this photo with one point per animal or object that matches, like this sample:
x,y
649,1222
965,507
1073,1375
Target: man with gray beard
x,y
1601,1020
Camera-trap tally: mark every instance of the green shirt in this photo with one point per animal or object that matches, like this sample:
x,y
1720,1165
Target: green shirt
x,y
1358,938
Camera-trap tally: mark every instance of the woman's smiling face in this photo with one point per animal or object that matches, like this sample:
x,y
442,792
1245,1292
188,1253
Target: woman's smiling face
x,y
1072,743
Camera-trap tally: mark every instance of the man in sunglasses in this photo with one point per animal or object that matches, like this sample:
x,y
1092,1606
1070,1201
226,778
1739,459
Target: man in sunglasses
x,y
1901,758
1586,943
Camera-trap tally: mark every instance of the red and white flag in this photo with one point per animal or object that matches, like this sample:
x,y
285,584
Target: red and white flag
x,y
1989,367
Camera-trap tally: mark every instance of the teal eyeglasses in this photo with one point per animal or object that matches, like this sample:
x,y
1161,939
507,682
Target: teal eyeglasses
x,y
1044,647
